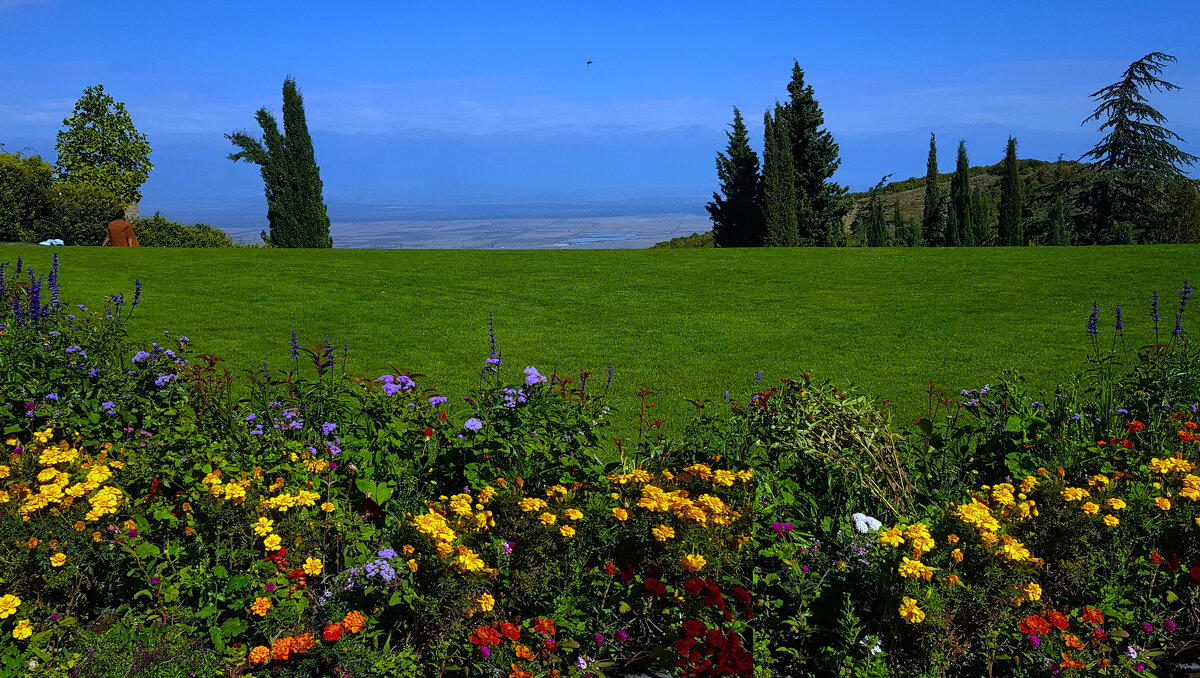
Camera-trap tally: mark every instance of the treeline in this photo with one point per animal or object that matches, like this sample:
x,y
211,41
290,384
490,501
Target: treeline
x,y
1133,190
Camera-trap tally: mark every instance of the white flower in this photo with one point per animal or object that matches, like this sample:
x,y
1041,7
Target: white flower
x,y
864,523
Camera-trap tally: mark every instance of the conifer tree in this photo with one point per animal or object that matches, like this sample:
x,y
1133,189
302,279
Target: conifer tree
x,y
876,227
1133,161
899,226
1059,235
779,187
1010,198
981,217
931,222
291,179
820,202
960,199
736,215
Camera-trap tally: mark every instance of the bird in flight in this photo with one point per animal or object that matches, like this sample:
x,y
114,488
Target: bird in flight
x,y
589,63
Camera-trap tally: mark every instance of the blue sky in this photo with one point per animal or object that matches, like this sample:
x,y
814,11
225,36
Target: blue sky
x,y
492,68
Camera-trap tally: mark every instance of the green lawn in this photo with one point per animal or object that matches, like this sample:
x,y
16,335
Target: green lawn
x,y
686,323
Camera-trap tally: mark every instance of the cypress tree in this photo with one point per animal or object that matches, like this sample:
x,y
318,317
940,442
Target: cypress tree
x,y
1010,198
876,227
820,203
736,216
960,199
779,187
931,222
291,179
981,217
1059,234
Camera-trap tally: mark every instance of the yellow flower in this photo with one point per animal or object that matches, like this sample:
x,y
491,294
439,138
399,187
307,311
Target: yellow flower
x,y
914,569
662,532
8,605
1111,520
1116,503
620,514
573,514
96,536
988,538
556,491
1091,509
327,507
264,526
80,525
532,504
957,555
692,562
566,531
910,612
953,580
1074,493
547,518
58,559
952,539
272,542
891,537
412,565
23,630
486,602
1033,592
1163,503
261,606
312,566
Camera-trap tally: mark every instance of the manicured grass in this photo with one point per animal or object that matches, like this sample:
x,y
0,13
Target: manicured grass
x,y
686,323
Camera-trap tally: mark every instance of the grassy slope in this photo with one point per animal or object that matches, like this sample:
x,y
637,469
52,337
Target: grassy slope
x,y
687,323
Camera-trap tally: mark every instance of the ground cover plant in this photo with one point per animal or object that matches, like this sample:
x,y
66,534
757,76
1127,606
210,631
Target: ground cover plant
x,y
688,325
163,515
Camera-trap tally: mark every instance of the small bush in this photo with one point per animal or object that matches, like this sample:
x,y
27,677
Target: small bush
x,y
158,231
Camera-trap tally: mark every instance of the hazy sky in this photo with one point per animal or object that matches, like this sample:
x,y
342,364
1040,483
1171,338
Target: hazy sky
x,y
483,67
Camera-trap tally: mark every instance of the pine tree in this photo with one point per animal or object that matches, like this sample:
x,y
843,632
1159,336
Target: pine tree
x,y
1133,162
292,183
960,199
1010,198
820,203
931,222
779,187
981,217
876,227
737,217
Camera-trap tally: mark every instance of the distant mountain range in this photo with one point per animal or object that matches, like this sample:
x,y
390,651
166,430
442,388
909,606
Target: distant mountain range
x,y
580,170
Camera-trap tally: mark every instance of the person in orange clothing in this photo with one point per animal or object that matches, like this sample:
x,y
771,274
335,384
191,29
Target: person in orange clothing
x,y
120,233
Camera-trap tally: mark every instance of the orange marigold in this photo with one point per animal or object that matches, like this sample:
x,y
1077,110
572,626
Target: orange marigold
x,y
518,672
523,653
1069,663
281,648
333,632
1092,615
354,621
260,654
544,626
509,630
302,643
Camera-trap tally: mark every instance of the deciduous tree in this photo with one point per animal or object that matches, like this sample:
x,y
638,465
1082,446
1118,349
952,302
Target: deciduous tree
x,y
99,146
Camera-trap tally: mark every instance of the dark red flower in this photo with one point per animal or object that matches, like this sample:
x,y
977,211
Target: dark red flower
x,y
741,594
627,572
654,587
610,569
694,628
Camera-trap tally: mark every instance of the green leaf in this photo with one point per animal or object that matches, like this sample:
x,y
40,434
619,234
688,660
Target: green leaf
x,y
624,607
233,627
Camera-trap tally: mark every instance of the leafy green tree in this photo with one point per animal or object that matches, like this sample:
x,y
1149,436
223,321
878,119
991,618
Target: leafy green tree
x,y
99,145
1010,198
1182,223
1133,162
291,179
25,208
779,187
820,203
960,199
932,223
736,213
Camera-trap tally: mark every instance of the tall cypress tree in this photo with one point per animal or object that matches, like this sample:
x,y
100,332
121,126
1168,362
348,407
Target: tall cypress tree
x,y
1010,198
900,229
931,222
981,217
960,199
737,217
876,227
779,187
820,203
291,179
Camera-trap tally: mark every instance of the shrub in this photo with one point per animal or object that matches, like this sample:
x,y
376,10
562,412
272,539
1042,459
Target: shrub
x,y
157,231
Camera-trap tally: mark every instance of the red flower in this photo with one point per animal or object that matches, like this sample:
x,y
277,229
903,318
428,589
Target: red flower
x,y
1057,619
1033,625
1195,574
654,587
610,569
428,433
1155,558
1127,444
693,628
1134,426
1093,615
1099,634
509,630
442,415
741,594
627,573
333,632
1173,563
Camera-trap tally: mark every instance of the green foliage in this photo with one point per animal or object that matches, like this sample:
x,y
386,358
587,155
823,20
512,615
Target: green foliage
x,y
873,225
820,202
695,240
1010,199
779,206
99,147
931,220
737,217
158,231
291,179
81,213
960,233
25,206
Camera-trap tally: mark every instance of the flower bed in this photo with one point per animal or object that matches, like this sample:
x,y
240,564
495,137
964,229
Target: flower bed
x,y
161,515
